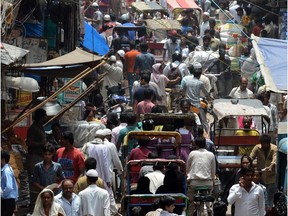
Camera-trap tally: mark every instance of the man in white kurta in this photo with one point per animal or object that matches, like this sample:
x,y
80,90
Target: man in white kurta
x,y
94,200
200,168
247,196
156,178
105,164
114,76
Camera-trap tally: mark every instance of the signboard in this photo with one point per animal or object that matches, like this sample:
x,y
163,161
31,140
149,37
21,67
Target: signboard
x,y
73,91
24,98
38,48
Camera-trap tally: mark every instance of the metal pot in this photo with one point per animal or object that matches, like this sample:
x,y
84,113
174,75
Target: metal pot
x,y
51,107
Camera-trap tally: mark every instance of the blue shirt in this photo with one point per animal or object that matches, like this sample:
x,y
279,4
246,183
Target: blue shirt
x,y
144,62
47,177
71,209
192,86
8,183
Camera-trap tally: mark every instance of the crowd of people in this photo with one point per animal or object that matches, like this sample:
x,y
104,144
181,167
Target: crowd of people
x,y
65,180
71,181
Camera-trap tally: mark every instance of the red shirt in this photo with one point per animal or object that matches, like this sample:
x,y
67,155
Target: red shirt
x,y
72,162
256,30
130,58
139,153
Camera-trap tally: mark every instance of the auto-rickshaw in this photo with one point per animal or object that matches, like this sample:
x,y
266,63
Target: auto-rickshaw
x,y
146,200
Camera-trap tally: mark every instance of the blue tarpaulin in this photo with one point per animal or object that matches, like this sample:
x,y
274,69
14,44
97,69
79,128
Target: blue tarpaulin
x,y
272,56
93,40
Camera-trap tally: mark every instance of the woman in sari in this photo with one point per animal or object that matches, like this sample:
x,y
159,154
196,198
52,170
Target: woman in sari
x,y
161,80
45,205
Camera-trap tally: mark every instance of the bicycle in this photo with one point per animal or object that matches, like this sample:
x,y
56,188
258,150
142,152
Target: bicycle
x,y
203,201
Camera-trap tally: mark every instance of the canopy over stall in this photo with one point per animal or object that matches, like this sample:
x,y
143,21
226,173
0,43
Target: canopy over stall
x,y
164,24
68,65
271,55
146,7
161,27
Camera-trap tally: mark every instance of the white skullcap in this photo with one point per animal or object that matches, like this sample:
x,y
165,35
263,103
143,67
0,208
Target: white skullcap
x,y
107,132
121,53
94,4
207,14
99,132
112,58
92,173
107,17
197,65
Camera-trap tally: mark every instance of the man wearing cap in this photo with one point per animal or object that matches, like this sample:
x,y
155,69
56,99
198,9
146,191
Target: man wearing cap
x,y
94,200
205,24
192,87
81,184
115,163
114,76
106,162
120,58
97,17
171,45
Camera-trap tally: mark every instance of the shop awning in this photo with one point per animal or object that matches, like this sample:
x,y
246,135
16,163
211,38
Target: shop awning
x,y
147,6
271,55
11,54
67,65
164,24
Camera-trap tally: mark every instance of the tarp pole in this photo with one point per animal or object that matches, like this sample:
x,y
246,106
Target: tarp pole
x,y
89,89
71,82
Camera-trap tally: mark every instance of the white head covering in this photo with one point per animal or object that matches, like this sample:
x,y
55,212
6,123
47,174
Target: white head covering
x,y
207,14
121,53
107,17
94,4
112,58
197,65
99,132
55,207
107,132
92,173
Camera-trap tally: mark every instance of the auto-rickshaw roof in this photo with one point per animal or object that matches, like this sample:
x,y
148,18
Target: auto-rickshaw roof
x,y
165,24
238,107
147,6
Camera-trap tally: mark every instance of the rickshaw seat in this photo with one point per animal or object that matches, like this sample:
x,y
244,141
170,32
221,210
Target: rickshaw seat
x,y
236,140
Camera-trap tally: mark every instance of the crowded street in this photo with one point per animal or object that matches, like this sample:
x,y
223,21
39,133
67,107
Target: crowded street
x,y
144,108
